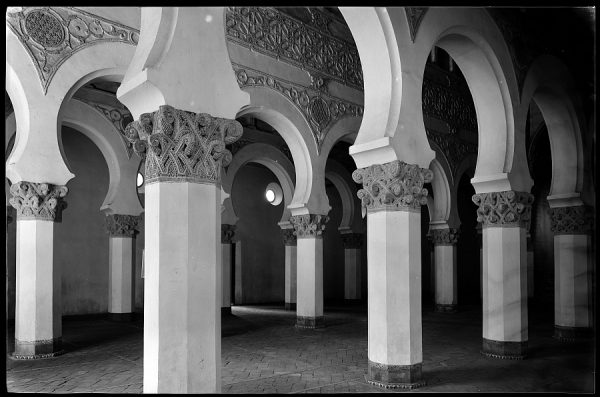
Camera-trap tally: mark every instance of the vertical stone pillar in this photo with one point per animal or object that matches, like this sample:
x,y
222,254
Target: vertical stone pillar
x,y
392,195
505,219
530,263
121,281
227,241
352,267
309,232
239,292
444,241
38,313
290,241
572,268
184,153
480,242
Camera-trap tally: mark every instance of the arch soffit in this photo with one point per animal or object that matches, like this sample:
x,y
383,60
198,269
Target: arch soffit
x,y
343,183
444,198
348,125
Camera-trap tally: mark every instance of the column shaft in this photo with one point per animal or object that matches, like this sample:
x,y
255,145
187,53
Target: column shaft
x,y
309,308
120,279
226,258
352,290
445,278
290,277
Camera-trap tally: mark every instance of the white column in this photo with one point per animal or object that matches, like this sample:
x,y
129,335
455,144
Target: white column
x,y
352,266
38,311
182,276
530,263
392,194
121,284
505,217
446,287
227,241
572,272
290,241
309,306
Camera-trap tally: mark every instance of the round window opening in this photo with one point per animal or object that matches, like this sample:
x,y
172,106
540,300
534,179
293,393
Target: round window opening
x,y
274,194
140,179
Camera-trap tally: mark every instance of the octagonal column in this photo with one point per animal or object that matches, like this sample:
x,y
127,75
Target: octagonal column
x,y
290,241
392,195
352,269
572,271
309,232
184,153
38,310
227,241
446,286
121,283
505,217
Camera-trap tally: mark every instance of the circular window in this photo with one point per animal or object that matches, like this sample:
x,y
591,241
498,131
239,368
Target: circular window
x,y
140,179
274,194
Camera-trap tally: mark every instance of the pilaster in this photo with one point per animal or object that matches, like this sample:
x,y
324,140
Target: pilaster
x,y
291,245
444,241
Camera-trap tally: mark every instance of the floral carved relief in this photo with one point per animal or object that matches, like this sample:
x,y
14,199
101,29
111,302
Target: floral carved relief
x,y
118,225
571,220
508,208
444,236
52,34
309,225
120,118
41,201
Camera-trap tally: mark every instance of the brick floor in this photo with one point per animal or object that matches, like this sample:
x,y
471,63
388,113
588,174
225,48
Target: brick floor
x,y
262,352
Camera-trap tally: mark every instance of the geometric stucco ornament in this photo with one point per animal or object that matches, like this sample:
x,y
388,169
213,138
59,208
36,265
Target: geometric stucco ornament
x,y
414,15
504,209
118,225
309,225
445,236
182,146
571,220
392,186
52,34
41,201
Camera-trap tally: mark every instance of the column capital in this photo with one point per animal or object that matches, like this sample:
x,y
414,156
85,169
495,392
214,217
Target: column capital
x,y
392,186
504,209
118,225
571,220
289,237
309,225
228,233
41,201
182,146
352,240
445,236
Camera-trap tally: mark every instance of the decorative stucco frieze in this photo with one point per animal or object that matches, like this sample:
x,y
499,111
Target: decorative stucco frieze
x,y
120,118
571,220
414,15
352,240
119,225
450,103
392,186
309,225
444,236
289,237
42,201
504,209
453,148
227,233
52,34
309,46
320,109
178,145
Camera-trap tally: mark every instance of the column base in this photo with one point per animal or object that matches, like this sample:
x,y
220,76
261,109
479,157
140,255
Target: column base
x,y
310,322
396,376
441,308
572,334
226,311
504,350
290,306
121,317
25,350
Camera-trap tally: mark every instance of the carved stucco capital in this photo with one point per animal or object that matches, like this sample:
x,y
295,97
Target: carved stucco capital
x,y
118,225
445,236
182,146
227,233
392,186
309,225
289,237
352,240
571,220
42,201
504,209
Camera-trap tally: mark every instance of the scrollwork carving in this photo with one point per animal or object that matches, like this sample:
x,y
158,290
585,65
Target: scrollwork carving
x,y
392,186
120,118
42,201
309,225
289,237
571,220
445,236
227,233
119,225
505,209
183,146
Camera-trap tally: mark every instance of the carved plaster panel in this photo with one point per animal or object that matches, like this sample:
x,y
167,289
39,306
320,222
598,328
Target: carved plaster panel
x,y
392,186
118,225
52,34
120,118
41,201
309,225
178,145
504,209
444,236
571,220
414,15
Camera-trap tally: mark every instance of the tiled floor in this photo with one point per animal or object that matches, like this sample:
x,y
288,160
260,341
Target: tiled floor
x,y
262,352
